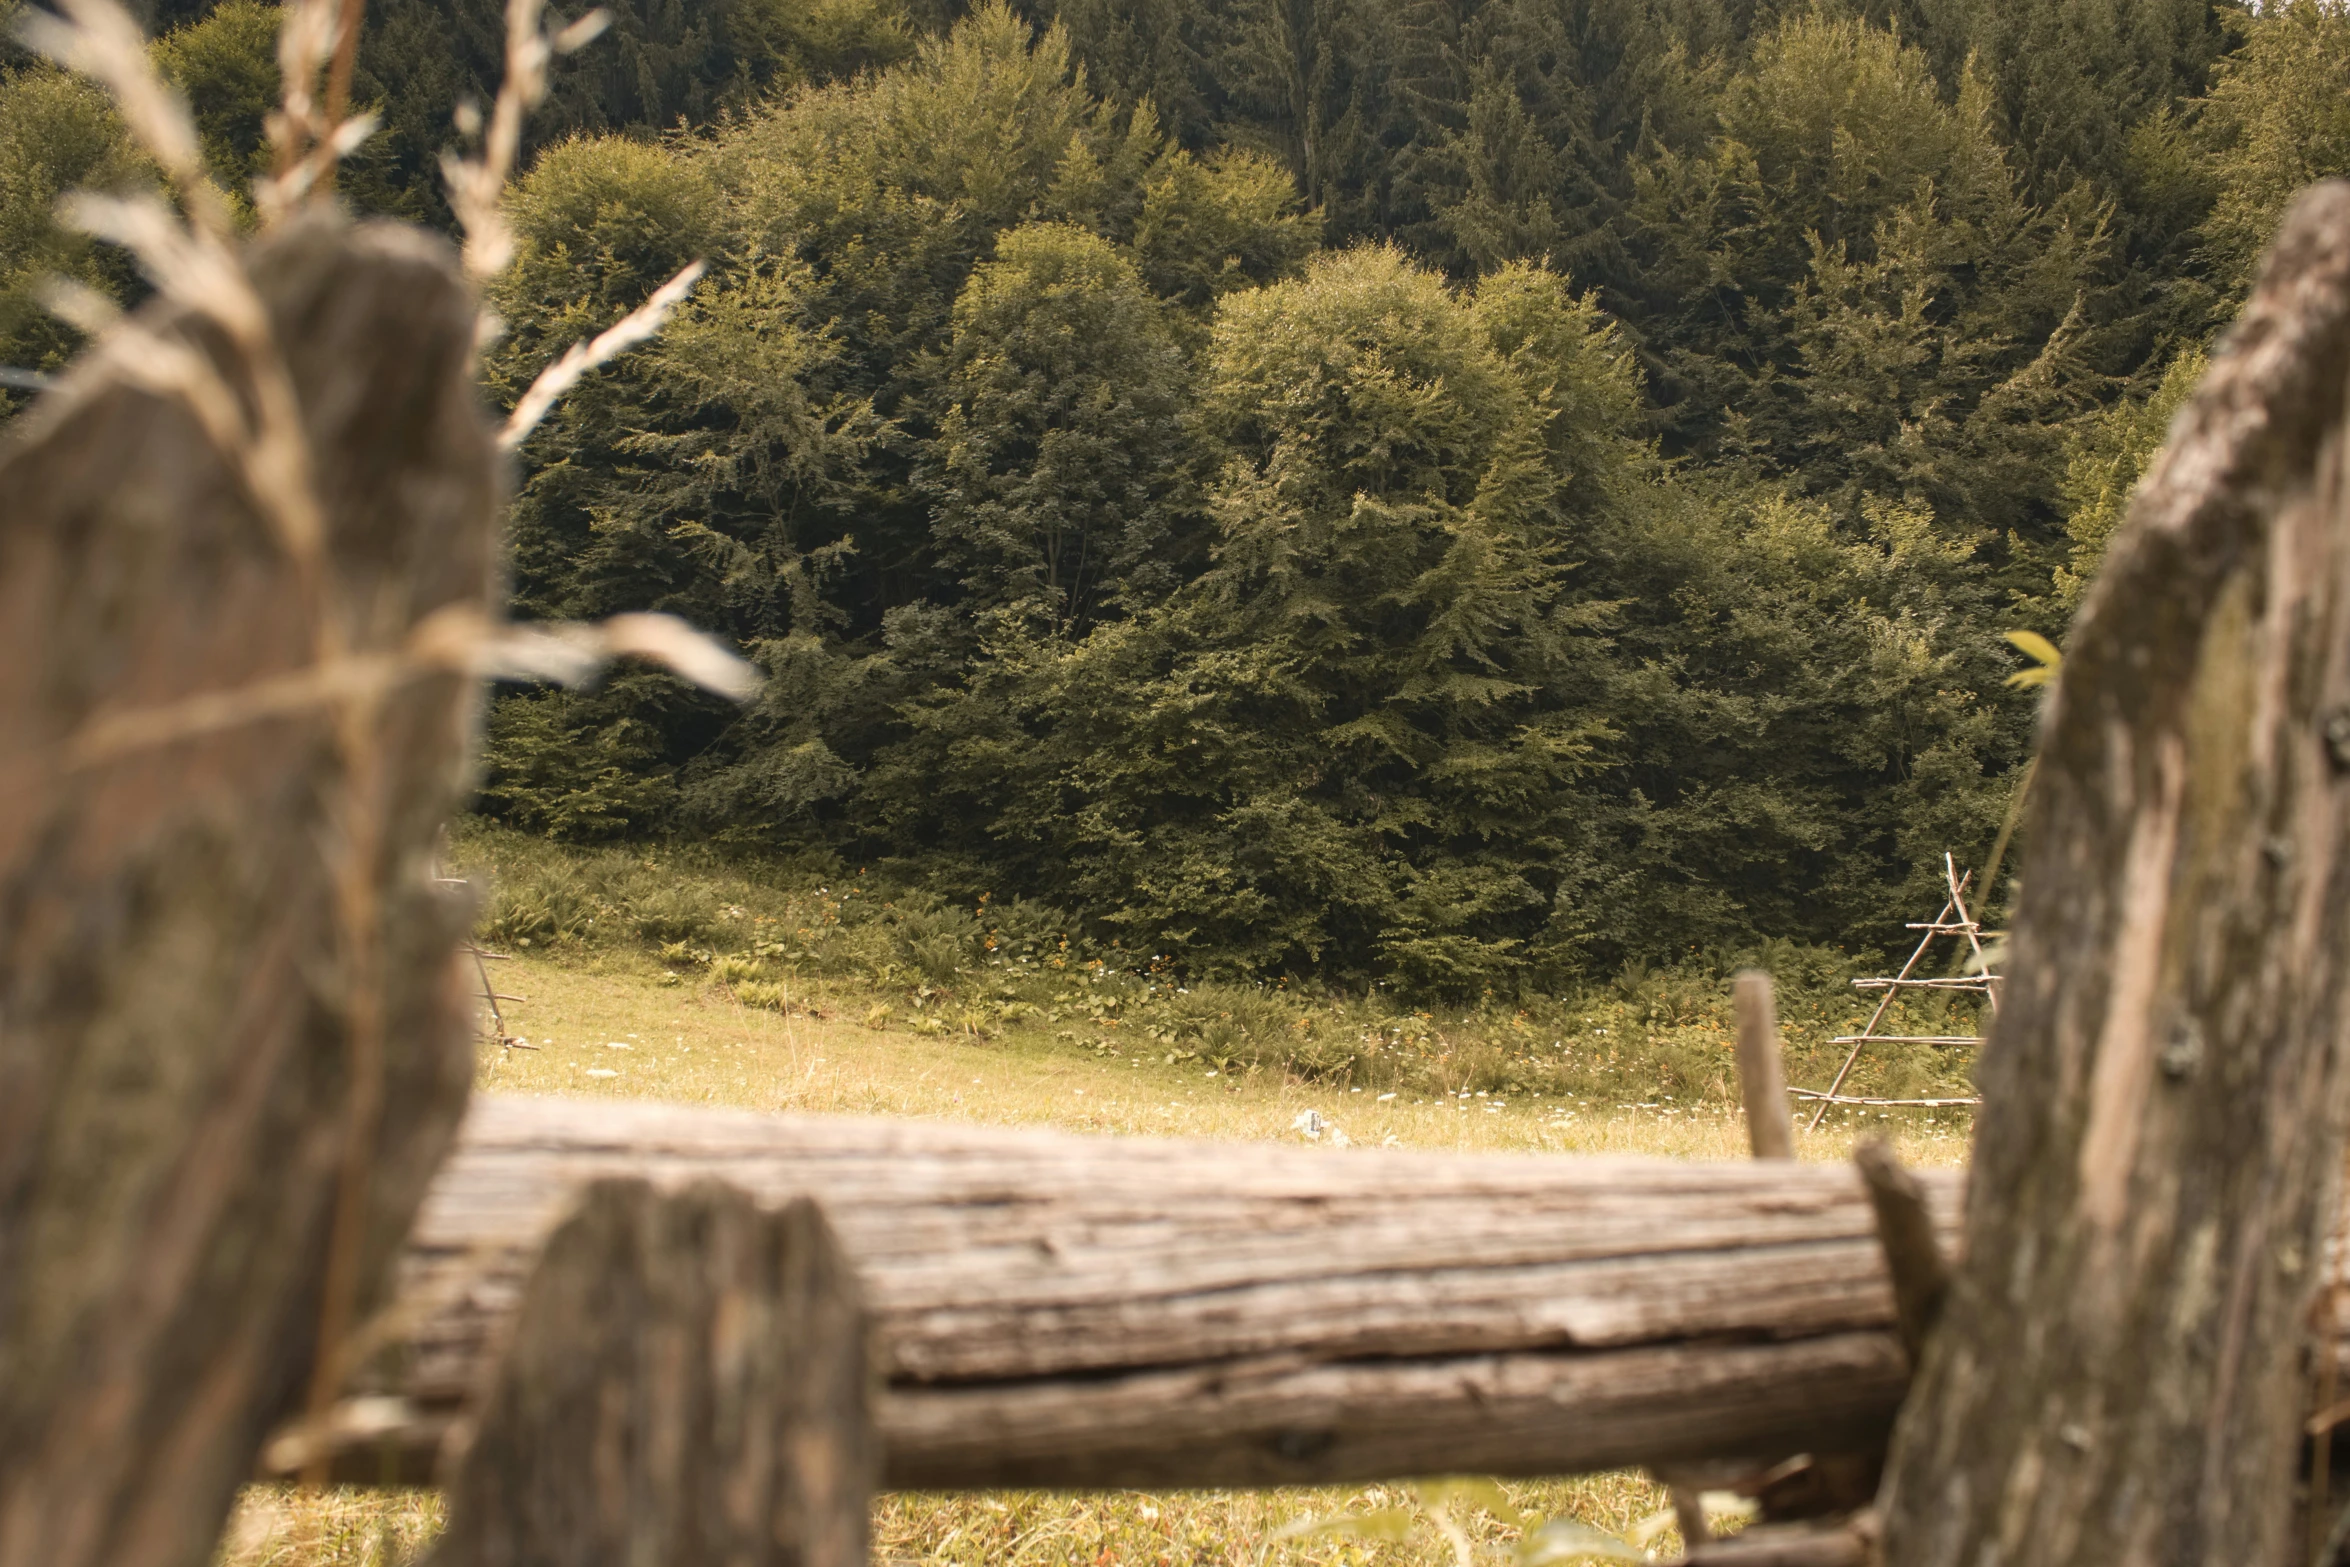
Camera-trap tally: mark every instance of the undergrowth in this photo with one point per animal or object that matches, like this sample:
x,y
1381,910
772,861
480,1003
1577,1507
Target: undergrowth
x,y
818,937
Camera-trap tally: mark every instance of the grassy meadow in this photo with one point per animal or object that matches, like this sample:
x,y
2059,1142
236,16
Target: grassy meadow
x,y
809,989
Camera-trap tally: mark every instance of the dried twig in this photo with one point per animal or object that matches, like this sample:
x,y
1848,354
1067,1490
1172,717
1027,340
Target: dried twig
x,y
566,652
476,185
643,322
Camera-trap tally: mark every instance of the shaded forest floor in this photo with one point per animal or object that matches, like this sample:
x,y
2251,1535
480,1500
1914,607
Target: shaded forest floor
x,y
672,1015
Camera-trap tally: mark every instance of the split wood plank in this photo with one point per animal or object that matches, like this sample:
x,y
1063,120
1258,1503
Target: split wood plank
x,y
2122,1368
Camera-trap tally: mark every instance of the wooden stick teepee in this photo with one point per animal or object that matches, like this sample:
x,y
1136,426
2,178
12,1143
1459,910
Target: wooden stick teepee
x,y
1953,920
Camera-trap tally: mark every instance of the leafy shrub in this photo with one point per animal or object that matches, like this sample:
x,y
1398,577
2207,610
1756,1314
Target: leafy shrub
x,y
737,972
550,765
552,903
676,911
775,933
763,995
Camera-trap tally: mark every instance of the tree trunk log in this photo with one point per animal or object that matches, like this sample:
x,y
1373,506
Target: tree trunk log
x,y
1058,1310
685,1382
2119,1374
175,1066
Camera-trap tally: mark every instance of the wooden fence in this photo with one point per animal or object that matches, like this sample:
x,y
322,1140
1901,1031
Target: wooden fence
x,y
1054,1310
1062,1311
244,560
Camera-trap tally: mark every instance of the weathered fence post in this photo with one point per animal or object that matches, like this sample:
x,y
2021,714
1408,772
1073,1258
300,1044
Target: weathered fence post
x,y
687,1382
185,841
1913,1254
2118,1375
1762,1070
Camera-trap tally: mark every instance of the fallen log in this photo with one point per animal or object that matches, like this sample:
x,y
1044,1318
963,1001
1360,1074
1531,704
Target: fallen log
x,y
1072,1311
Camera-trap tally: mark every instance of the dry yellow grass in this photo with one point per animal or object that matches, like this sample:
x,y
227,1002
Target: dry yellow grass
x,y
613,1023
607,1025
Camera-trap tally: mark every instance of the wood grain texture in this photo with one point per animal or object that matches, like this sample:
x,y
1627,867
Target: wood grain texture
x,y
173,1049
1062,1310
2120,1370
686,1382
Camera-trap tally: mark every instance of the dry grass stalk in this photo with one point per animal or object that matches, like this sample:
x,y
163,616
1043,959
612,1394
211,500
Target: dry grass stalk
x,y
477,184
640,324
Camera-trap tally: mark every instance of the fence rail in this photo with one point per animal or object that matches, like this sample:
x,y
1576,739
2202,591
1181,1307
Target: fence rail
x,y
1061,1310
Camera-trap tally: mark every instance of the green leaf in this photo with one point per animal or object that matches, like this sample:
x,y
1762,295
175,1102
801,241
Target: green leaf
x,y
2045,653
1476,1493
1384,1523
1571,1540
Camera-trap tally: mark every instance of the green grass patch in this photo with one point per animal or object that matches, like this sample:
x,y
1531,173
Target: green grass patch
x,y
818,938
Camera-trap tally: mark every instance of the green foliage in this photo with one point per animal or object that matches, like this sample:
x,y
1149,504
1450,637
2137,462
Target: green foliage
x,y
1460,499
57,133
603,221
1061,455
1210,227
1863,300
548,766
1341,622
1348,733
2277,119
2068,82
1809,719
2107,452
1556,106
226,66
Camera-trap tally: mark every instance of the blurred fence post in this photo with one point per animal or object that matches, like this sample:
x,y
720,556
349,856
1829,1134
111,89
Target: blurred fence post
x,y
687,1381
187,839
2119,1370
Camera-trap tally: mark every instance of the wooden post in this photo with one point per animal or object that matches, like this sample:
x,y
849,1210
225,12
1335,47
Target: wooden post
x,y
1762,1072
1913,1256
2118,1374
686,1383
1770,1131
211,1099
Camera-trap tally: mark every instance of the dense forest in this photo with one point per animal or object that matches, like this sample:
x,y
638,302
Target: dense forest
x,y
1455,492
